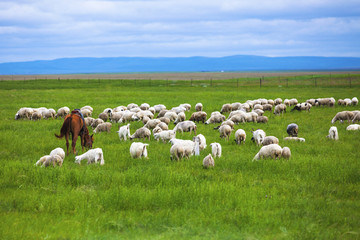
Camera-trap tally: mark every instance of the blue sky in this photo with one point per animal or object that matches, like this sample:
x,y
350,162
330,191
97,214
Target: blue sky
x,y
50,29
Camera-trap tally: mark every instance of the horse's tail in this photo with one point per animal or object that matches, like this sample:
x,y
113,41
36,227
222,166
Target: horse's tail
x,y
65,128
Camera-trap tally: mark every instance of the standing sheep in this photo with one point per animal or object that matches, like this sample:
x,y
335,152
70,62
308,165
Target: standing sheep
x,y
333,133
225,132
240,136
258,136
216,149
124,132
208,161
286,153
103,127
103,116
138,150
342,116
198,107
280,109
226,108
142,132
177,151
165,135
269,151
354,101
262,119
202,141
185,126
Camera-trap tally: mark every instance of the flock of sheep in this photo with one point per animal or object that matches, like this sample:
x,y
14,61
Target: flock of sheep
x,y
250,111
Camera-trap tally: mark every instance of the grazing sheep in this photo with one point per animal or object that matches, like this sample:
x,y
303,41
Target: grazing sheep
x,y
292,130
270,140
262,119
86,112
340,102
102,127
48,160
119,109
157,129
131,106
216,118
278,101
144,106
267,107
202,141
311,101
353,127
208,161
347,102
238,118
36,116
87,108
259,112
24,113
103,116
186,106
162,113
236,106
178,110
341,116
142,132
216,149
356,117
58,151
127,116
198,116
302,106
62,112
294,139
124,132
240,136
227,122
180,118
48,113
269,151
185,126
198,107
286,153
142,114
170,115
333,133
138,150
280,108
93,156
258,106
152,123
165,120
145,119
116,116
159,107
165,135
89,121
258,136
96,122
177,151
190,147
163,126
225,132
226,108
354,101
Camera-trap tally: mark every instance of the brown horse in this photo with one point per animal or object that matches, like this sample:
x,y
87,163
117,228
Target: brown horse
x,y
75,125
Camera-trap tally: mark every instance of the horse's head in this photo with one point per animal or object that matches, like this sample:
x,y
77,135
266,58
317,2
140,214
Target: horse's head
x,y
89,140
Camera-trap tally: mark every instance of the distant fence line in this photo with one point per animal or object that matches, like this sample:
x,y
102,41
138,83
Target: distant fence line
x,y
345,80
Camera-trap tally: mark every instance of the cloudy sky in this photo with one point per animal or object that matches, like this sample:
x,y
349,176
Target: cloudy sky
x,y
50,29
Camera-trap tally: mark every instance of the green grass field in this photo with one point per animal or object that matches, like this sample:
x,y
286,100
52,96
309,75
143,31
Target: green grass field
x,y
314,195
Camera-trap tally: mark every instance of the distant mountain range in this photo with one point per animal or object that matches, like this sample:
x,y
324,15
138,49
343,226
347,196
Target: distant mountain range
x,y
178,64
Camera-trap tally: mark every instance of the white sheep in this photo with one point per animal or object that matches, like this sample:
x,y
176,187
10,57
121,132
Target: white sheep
x,y
190,147
280,109
165,135
333,133
353,127
93,156
132,105
142,132
116,116
269,151
62,112
144,106
215,118
177,151
185,126
199,116
89,121
124,132
240,136
216,149
294,139
152,123
354,101
342,116
159,107
198,107
258,136
208,161
86,112
58,151
96,122
47,160
138,150
225,131
270,140
202,141
102,127
88,108
226,108
180,117
286,153
24,113
170,115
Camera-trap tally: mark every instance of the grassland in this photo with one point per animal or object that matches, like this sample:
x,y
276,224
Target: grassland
x,y
314,195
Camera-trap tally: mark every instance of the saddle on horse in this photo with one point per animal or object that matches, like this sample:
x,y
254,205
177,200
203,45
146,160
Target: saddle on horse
x,y
78,112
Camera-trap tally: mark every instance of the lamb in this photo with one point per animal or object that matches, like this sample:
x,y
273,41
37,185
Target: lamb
x,y
62,112
165,135
226,108
103,116
347,102
96,122
142,132
294,139
353,127
269,151
240,136
102,127
151,124
58,151
270,140
341,116
280,108
47,160
292,130
186,126
138,150
333,133
225,131
258,136
262,119
93,156
124,132
216,149
202,141
354,101
198,116
208,161
180,118
286,153
198,107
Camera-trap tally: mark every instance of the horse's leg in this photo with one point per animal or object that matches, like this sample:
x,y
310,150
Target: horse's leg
x,y
73,144
67,143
